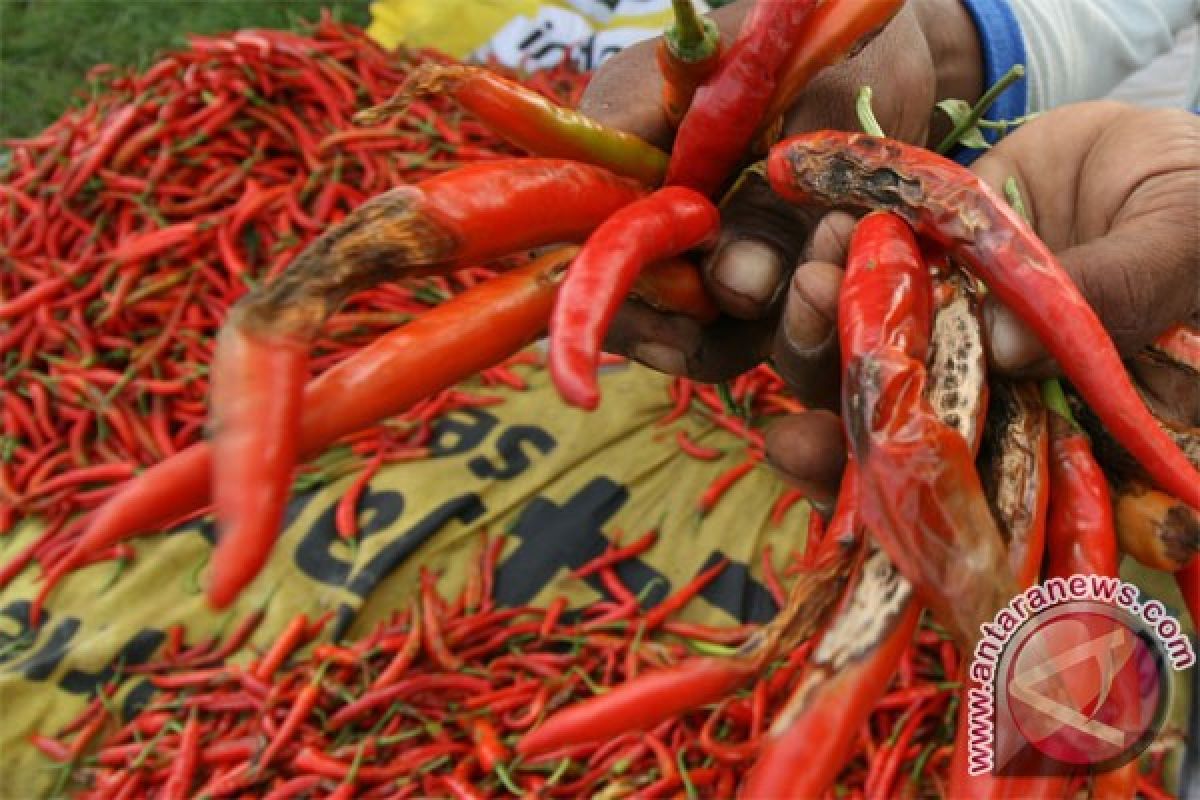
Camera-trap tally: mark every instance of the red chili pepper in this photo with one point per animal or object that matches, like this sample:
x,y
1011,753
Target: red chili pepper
x,y
185,760
529,120
300,709
475,330
431,629
655,696
116,128
488,748
951,205
660,226
688,53
347,510
726,111
288,641
1080,535
723,483
695,450
835,30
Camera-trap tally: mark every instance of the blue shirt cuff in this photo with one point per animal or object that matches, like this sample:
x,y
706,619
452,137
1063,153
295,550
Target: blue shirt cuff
x,y
1003,46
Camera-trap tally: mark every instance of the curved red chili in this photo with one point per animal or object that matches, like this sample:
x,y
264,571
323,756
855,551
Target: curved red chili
x,y
664,224
727,110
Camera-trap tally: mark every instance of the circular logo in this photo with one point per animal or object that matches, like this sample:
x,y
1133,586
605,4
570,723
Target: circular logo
x,y
1085,685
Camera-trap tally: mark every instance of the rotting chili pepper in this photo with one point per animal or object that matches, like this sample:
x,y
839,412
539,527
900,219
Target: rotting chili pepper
x,y
496,318
529,120
1158,530
907,456
261,362
727,108
660,226
687,54
1015,470
885,304
1080,534
954,207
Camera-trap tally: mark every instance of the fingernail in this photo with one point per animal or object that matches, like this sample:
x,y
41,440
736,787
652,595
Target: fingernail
x,y
660,357
749,268
805,326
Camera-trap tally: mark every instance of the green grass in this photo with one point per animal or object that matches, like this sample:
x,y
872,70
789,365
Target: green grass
x,y
47,46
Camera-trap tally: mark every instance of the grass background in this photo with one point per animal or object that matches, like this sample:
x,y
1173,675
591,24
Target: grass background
x,y
47,46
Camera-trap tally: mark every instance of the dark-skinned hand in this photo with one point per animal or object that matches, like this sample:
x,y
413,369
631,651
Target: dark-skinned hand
x,y
1114,191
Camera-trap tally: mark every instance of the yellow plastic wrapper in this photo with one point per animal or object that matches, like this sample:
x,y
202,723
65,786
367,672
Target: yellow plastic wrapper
x,y
557,483
522,34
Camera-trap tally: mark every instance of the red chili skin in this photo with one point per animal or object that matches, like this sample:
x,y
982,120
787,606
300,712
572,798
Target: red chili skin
x,y
475,330
833,32
488,748
951,205
1080,536
660,226
639,705
886,298
257,391
532,122
727,110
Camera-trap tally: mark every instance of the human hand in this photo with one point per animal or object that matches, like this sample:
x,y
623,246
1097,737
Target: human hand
x,y
929,51
1113,190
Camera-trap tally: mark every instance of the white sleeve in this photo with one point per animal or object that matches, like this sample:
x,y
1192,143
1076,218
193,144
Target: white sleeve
x,y
1080,49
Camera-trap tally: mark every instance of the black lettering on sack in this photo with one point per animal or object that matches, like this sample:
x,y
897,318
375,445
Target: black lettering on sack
x,y
737,593
314,553
465,508
461,431
137,699
553,537
35,662
514,461
136,651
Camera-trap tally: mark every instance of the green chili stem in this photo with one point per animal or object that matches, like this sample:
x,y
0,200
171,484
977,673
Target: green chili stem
x,y
979,109
692,38
866,114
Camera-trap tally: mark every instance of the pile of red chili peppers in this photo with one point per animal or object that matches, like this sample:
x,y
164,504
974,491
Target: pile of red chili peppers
x,y
132,224
433,702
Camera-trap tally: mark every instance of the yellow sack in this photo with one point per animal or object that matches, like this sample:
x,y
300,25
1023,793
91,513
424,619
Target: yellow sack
x,y
525,34
556,482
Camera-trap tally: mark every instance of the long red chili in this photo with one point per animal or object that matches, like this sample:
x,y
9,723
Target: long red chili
x,y
727,109
948,203
662,225
1080,536
836,30
530,120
